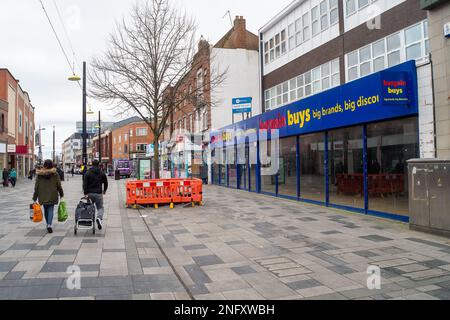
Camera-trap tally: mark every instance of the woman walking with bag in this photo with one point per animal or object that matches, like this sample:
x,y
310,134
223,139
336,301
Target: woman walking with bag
x,y
46,190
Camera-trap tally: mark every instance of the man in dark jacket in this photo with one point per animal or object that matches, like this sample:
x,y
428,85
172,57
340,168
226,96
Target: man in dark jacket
x,y
95,184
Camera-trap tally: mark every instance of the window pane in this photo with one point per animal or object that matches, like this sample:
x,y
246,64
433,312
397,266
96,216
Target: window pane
x,y
352,59
414,52
308,77
394,58
316,86
279,90
336,80
287,175
293,96
326,83
393,42
285,98
283,47
277,39
352,73
390,145
266,46
285,87
306,33
305,19
362,3
351,6
308,90
298,25
324,22
292,43
345,152
365,54
298,38
316,74
312,171
315,13
425,29
379,48
291,30
413,34
283,35
427,47
293,84
365,69
315,27
333,4
300,93
300,81
334,16
325,70
335,66
323,7
378,64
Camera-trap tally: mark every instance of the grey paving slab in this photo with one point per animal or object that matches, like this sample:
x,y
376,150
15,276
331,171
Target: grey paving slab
x,y
376,238
243,270
207,260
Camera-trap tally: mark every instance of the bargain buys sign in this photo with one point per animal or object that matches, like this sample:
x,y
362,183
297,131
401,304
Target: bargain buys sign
x,y
384,95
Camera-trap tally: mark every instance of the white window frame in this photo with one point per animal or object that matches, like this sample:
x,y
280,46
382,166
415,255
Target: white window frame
x,y
139,132
402,49
302,86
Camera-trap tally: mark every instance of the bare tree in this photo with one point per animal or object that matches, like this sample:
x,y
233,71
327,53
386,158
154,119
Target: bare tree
x,y
142,70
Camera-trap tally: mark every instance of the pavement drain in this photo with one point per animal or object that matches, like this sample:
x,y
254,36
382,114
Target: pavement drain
x,y
282,266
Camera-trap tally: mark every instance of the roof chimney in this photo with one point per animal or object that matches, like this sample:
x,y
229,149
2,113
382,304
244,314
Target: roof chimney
x,y
239,23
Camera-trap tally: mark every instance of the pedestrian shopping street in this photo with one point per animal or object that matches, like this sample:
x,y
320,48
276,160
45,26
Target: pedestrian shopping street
x,y
239,245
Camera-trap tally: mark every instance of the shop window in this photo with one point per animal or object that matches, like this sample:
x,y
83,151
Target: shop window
x,y
287,175
312,172
267,181
346,171
223,166
232,166
390,145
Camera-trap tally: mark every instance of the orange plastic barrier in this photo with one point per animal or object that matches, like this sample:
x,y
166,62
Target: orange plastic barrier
x,y
164,191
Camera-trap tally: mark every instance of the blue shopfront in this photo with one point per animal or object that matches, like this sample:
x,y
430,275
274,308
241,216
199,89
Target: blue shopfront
x,y
345,148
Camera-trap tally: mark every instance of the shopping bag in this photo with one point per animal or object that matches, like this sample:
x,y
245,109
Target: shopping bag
x,y
37,216
62,212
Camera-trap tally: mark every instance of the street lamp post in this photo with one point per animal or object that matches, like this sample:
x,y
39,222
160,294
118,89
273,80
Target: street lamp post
x,y
40,144
84,134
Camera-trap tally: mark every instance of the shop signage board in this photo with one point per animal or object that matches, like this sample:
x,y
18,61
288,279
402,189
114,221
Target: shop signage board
x,y
380,96
242,105
2,148
11,148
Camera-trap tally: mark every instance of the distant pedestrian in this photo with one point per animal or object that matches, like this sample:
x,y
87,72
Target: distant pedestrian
x,y
13,177
60,172
30,174
72,171
5,177
46,190
95,184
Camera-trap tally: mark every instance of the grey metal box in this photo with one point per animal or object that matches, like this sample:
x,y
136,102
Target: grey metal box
x,y
429,195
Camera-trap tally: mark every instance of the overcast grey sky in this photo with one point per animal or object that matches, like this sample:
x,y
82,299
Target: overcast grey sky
x,y
30,51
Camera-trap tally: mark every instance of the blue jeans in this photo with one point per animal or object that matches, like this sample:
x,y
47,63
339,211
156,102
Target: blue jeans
x,y
48,213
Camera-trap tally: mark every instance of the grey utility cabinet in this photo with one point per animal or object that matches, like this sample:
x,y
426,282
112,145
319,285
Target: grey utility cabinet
x,y
429,195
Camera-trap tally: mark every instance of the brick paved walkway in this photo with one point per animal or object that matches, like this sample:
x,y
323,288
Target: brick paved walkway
x,y
237,246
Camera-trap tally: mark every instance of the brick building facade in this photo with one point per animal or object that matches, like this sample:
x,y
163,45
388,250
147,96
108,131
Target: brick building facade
x,y
16,125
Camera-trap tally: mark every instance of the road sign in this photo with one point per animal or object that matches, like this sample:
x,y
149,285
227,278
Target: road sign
x,y
242,105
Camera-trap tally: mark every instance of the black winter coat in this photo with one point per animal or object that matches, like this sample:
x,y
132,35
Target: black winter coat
x,y
94,180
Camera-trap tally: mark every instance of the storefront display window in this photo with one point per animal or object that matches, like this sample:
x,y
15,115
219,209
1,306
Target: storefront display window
x,y
390,144
287,175
312,171
346,170
267,181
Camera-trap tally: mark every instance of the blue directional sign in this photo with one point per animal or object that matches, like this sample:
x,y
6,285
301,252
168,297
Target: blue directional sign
x,y
242,105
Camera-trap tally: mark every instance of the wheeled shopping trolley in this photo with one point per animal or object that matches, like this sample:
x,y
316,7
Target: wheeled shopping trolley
x,y
85,216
